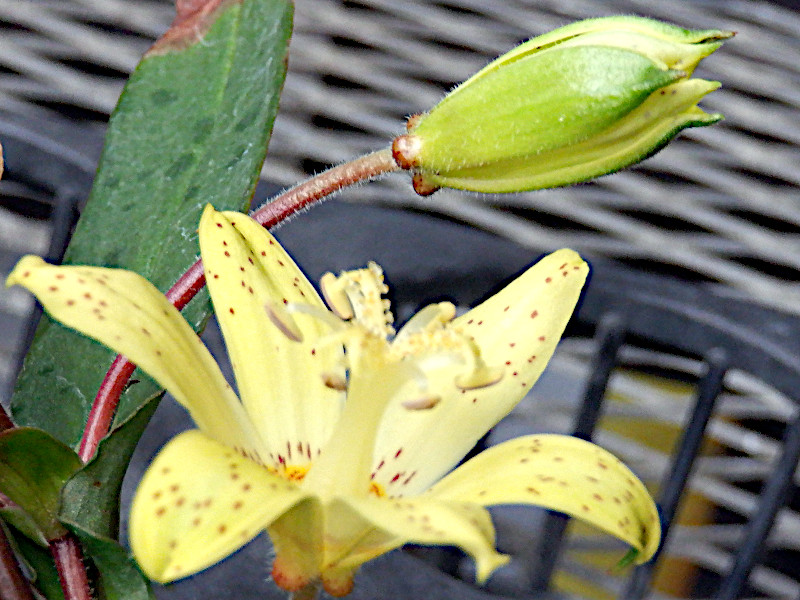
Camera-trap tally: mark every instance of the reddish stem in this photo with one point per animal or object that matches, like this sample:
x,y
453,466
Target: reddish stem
x,y
323,185
5,420
192,281
102,413
13,584
69,561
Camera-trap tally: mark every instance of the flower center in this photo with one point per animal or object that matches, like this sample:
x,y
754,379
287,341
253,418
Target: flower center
x,y
376,489
426,343
290,472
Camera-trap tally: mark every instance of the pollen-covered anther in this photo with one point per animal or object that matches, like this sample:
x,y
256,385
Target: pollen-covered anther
x,y
281,318
479,378
423,403
363,290
334,381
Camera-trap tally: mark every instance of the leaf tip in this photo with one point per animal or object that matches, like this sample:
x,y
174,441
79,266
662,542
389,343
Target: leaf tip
x,y
193,18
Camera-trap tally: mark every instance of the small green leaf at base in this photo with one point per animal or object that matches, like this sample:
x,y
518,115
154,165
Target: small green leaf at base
x,y
33,468
119,578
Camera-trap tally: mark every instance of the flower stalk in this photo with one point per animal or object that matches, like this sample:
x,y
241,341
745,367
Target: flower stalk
x,y
68,557
273,212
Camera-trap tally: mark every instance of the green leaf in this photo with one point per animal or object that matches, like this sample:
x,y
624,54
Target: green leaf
x,y
191,127
24,523
90,499
119,578
33,468
40,563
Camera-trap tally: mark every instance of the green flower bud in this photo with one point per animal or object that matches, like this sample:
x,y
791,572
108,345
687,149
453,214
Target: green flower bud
x,y
578,102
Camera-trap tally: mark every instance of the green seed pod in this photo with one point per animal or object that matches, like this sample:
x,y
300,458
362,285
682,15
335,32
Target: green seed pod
x,y
578,102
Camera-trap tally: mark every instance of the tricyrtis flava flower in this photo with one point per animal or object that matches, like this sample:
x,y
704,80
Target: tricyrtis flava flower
x,y
342,436
578,102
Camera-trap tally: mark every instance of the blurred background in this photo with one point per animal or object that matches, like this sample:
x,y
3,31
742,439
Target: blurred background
x,y
696,248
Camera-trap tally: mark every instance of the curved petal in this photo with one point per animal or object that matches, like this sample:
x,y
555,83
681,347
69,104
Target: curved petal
x,y
198,502
421,520
516,330
128,314
562,473
280,380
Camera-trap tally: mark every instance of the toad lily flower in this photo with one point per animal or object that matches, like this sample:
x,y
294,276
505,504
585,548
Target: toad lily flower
x,y
343,434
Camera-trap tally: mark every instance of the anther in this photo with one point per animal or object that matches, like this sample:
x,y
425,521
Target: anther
x,y
424,403
335,296
334,381
479,378
281,318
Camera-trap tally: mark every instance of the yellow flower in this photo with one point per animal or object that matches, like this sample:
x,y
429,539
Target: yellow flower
x,y
342,436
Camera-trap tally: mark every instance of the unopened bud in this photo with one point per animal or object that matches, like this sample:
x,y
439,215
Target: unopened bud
x,y
578,102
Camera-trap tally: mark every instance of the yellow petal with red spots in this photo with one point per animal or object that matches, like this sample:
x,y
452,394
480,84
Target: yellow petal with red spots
x,y
128,314
280,380
200,501
516,331
561,473
424,521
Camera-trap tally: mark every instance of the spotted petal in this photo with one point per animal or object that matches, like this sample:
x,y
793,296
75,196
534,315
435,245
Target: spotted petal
x,y
280,381
200,501
129,315
426,521
562,473
515,330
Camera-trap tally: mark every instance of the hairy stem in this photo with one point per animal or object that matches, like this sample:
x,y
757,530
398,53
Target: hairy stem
x,y
192,281
323,185
71,572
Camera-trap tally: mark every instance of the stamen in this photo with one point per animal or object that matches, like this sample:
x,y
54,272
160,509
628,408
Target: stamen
x,y
334,381
281,318
424,403
479,378
335,297
430,317
357,295
327,317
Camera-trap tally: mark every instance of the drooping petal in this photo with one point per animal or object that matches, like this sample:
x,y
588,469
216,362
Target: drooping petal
x,y
420,520
200,501
280,380
515,330
562,473
128,314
